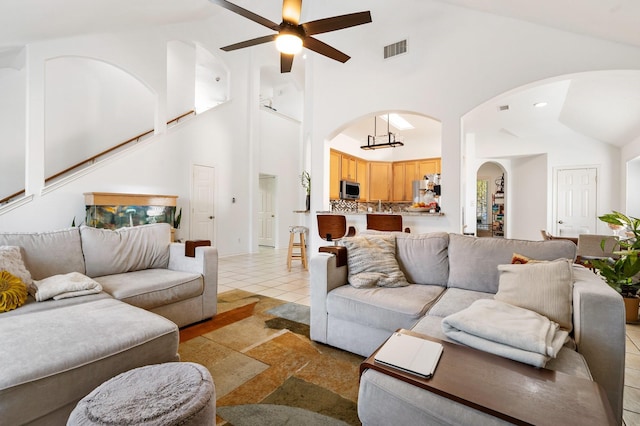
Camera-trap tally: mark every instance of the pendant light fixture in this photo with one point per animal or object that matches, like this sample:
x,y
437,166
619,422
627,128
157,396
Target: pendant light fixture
x,y
386,141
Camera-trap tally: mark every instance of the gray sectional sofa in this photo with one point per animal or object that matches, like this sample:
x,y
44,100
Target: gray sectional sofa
x,y
55,352
447,273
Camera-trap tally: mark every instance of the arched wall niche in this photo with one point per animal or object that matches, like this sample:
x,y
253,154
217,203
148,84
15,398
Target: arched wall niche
x,y
196,79
90,106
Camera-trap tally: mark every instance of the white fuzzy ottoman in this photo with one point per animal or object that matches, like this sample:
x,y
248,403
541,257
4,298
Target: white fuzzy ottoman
x,y
174,393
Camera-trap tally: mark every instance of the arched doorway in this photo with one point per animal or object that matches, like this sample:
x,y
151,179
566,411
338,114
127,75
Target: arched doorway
x,y
490,201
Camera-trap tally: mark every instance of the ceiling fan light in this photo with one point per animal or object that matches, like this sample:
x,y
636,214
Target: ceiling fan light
x,y
289,44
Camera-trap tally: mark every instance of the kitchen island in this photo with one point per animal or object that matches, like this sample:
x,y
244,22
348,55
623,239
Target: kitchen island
x,y
417,222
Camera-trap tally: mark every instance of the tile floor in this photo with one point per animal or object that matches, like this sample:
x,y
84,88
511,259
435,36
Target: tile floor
x,y
266,273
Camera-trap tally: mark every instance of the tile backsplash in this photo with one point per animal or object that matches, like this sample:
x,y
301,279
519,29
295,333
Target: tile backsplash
x,y
363,207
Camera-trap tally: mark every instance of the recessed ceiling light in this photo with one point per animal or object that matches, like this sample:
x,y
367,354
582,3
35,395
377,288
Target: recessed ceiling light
x,y
540,104
397,121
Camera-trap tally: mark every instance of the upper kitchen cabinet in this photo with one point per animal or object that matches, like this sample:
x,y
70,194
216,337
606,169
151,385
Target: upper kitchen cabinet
x,y
335,160
380,175
362,168
348,168
405,172
428,166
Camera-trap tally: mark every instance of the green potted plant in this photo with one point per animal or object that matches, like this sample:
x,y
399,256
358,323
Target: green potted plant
x,y
623,272
305,181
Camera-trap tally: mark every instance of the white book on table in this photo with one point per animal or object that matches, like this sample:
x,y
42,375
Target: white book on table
x,y
411,354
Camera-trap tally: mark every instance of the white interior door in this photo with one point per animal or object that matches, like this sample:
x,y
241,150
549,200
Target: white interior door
x,y
576,201
202,203
266,213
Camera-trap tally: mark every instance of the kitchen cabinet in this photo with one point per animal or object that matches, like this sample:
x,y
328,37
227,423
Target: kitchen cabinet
x,y
335,160
348,168
428,166
404,173
379,180
362,174
380,175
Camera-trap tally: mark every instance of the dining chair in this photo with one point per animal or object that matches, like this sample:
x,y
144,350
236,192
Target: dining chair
x,y
590,247
385,222
333,227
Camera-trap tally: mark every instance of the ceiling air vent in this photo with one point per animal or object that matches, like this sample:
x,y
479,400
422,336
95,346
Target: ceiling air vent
x,y
395,49
503,108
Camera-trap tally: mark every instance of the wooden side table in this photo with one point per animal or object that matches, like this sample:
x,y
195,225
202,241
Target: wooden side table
x,y
510,390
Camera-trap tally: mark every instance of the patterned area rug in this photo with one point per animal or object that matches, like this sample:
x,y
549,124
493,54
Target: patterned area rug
x,y
265,368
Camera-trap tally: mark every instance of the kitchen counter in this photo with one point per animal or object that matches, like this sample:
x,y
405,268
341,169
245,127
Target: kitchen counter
x,y
417,222
360,213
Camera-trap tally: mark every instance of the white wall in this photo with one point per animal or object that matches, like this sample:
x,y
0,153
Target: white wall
x,y
162,164
12,129
630,156
279,151
527,187
181,77
90,106
458,59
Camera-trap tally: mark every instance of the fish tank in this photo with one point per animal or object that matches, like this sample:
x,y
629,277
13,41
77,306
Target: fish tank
x,y
113,211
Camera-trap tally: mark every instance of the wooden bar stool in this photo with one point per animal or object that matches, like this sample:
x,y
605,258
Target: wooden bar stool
x,y
300,244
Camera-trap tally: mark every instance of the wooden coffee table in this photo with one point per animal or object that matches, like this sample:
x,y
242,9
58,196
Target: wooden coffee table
x,y
510,390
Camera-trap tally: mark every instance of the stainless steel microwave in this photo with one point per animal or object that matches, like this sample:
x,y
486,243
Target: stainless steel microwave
x,y
349,190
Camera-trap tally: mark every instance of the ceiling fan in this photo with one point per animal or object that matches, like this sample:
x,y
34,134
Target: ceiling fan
x,y
292,35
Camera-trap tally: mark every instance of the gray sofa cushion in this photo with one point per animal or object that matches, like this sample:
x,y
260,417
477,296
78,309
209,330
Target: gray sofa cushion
x,y
456,299
424,257
53,358
48,253
150,288
383,308
108,252
473,262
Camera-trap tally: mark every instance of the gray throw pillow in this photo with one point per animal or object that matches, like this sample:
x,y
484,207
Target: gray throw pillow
x,y
371,261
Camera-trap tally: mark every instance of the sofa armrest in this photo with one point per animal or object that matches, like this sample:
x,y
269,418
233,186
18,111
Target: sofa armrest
x,y
205,263
599,330
325,276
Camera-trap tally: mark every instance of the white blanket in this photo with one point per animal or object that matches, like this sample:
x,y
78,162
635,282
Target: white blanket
x,y
63,286
506,330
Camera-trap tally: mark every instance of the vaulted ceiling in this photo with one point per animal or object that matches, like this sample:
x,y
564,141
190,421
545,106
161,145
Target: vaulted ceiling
x,y
605,106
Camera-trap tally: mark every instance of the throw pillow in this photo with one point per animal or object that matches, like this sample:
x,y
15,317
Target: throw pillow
x,y
13,292
371,261
519,259
542,287
11,261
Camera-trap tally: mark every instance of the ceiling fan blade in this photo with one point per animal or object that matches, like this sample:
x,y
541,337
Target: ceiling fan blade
x,y
336,23
291,11
286,62
249,43
324,49
246,13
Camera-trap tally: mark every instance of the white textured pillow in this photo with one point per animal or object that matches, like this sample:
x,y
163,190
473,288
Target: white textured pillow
x,y
371,261
11,261
544,287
